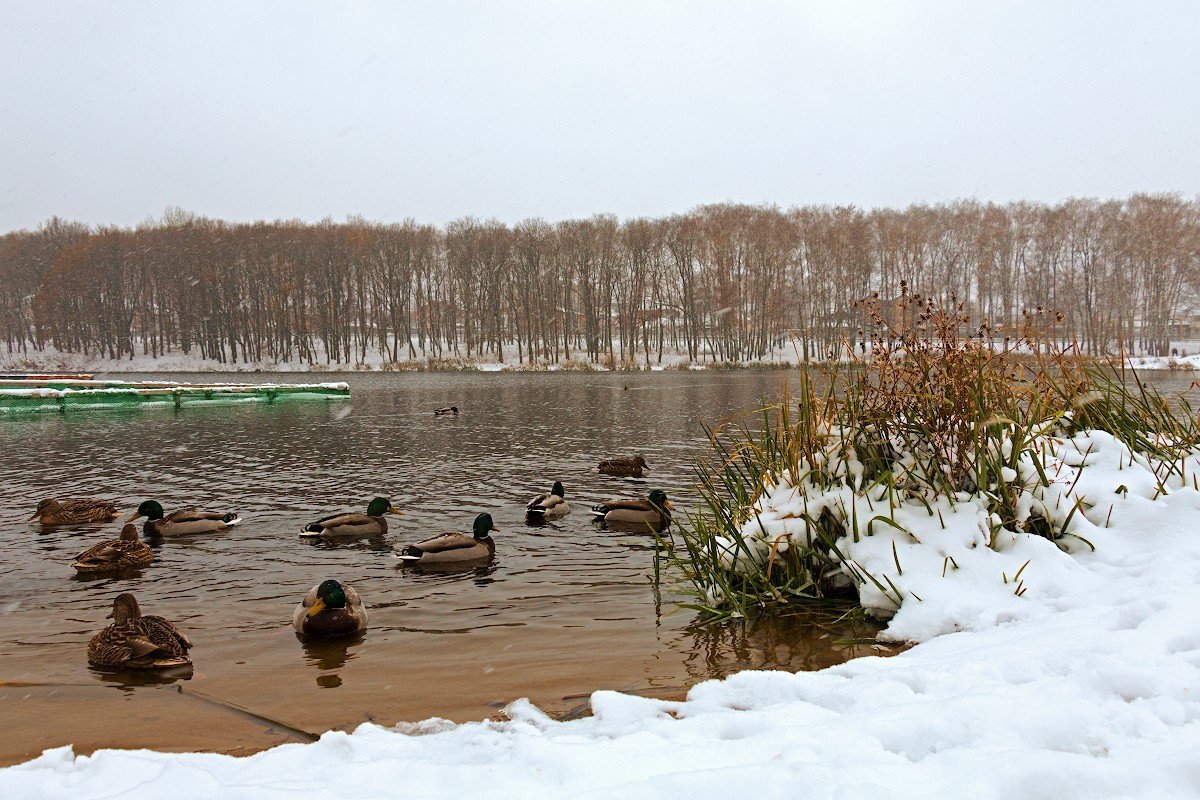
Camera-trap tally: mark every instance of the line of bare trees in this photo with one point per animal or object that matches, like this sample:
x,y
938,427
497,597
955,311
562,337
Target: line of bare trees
x,y
721,283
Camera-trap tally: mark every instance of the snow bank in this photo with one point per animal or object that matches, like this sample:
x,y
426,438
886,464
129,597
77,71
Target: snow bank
x,y
1084,685
1166,362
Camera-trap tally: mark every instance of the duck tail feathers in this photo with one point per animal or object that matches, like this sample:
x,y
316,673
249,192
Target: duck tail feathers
x,y
231,518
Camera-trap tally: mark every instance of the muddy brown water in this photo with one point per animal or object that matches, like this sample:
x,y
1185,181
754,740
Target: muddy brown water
x,y
563,610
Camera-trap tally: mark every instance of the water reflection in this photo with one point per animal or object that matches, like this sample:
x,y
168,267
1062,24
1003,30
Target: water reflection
x,y
329,656
479,573
796,642
130,679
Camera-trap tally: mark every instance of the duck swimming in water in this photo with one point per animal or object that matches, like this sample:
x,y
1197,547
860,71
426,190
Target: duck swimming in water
x,y
452,548
184,522
74,512
550,505
653,511
134,641
330,609
353,524
115,555
623,467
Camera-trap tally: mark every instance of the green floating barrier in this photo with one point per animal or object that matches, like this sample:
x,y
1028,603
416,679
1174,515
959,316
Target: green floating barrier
x,y
78,395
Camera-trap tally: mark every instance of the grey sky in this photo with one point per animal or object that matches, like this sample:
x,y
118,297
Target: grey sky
x,y
109,113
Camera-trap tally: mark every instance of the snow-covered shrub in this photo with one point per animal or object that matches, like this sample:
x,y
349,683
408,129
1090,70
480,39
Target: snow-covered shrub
x,y
887,479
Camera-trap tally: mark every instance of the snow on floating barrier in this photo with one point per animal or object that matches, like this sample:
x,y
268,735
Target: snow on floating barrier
x,y
62,395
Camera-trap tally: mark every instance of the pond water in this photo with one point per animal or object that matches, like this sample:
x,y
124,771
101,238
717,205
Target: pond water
x,y
563,610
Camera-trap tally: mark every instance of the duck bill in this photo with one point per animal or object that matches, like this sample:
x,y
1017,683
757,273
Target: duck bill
x,y
133,516
668,506
36,514
394,510
494,529
317,607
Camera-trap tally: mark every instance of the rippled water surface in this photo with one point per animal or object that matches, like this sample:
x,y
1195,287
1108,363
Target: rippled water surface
x,y
563,610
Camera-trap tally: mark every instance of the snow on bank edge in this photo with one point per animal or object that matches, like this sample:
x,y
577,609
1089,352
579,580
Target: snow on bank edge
x,y
1086,686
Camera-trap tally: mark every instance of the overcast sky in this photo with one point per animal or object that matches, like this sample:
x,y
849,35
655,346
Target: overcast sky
x,y
109,113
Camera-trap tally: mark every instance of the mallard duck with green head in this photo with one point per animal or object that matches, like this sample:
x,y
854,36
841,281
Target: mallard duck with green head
x,y
653,511
451,548
134,641
353,524
115,555
550,505
74,512
330,609
184,522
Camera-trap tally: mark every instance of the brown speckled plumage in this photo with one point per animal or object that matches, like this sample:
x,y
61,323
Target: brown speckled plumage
x,y
623,467
134,641
74,512
115,555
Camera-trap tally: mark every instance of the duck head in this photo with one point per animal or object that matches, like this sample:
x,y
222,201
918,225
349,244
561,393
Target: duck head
x,y
658,499
558,489
330,594
43,507
483,526
129,533
125,608
150,509
380,506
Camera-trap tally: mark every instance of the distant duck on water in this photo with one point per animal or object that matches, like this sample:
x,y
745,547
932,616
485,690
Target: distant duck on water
x,y
446,411
632,467
74,512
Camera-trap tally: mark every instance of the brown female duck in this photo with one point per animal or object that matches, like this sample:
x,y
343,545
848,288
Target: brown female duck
x,y
134,641
632,467
74,512
115,555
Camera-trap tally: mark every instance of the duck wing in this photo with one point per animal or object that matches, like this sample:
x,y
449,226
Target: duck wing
x,y
444,543
623,505
106,551
110,647
348,519
165,635
192,515
89,510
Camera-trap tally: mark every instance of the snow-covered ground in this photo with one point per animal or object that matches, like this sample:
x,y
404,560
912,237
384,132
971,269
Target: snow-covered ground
x,y
1085,685
1166,362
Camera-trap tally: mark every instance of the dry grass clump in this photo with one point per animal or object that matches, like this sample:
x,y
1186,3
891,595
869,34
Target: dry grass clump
x,y
929,409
